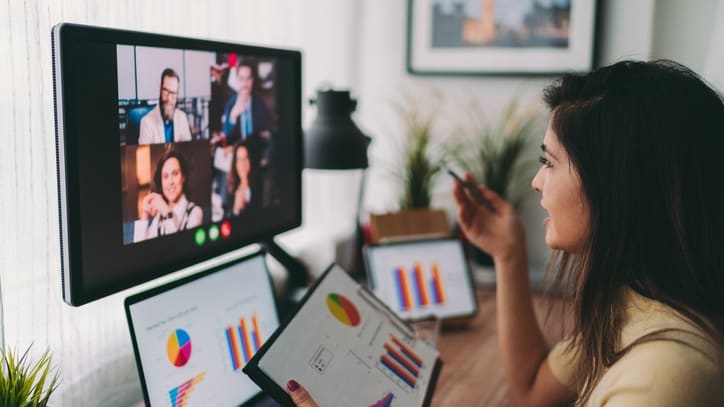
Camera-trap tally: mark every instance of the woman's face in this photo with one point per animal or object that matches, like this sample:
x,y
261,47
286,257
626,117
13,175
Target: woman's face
x,y
172,180
561,196
243,166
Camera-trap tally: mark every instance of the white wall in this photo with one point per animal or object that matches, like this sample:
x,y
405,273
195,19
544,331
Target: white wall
x,y
626,32
348,44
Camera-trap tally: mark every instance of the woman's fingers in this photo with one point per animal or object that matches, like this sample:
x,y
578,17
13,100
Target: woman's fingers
x,y
299,395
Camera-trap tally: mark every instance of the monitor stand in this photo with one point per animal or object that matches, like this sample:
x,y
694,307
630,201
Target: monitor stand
x,y
298,276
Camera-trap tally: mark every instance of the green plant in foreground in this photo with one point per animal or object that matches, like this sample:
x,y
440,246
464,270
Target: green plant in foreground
x,y
24,383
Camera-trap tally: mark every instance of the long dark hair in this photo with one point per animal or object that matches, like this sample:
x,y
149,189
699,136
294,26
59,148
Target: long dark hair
x,y
646,139
183,164
232,177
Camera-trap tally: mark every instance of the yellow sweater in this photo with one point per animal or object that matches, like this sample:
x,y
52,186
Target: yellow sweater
x,y
661,373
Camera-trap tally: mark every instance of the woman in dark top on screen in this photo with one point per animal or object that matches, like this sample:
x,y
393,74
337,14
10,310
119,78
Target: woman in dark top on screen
x,y
243,190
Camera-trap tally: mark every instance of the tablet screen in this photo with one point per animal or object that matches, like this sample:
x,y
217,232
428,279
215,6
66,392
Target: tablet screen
x,y
193,337
420,278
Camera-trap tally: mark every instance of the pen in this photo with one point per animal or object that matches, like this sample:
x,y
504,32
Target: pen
x,y
473,190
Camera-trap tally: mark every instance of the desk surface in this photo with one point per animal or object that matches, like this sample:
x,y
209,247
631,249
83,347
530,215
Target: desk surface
x,y
471,373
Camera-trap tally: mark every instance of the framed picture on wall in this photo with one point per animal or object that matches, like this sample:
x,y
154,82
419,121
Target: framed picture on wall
x,y
478,37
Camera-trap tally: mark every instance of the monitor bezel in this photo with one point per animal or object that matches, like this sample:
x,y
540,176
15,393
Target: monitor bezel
x,y
75,293
152,292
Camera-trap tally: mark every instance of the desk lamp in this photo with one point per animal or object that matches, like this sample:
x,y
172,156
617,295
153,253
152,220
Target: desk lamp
x,y
334,142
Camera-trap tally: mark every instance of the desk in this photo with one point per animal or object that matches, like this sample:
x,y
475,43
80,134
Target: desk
x,y
471,373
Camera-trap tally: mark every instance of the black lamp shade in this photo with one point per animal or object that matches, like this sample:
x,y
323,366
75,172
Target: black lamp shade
x,y
334,142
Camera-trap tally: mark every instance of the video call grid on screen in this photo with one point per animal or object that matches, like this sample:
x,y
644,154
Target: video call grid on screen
x,y
422,278
193,337
192,95
171,151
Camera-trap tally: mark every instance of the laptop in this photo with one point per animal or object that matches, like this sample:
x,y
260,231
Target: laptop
x,y
192,337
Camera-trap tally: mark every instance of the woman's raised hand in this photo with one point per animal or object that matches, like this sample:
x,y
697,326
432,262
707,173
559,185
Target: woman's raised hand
x,y
498,233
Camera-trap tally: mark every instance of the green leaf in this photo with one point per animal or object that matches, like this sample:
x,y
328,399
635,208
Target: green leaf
x,y
24,383
497,152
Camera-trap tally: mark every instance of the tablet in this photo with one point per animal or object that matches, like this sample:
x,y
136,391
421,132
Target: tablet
x,y
192,337
347,349
421,278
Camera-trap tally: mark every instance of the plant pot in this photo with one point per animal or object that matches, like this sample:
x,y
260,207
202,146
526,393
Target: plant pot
x,y
409,224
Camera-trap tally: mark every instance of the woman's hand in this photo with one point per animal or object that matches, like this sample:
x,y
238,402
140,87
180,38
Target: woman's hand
x,y
152,205
498,233
242,103
299,395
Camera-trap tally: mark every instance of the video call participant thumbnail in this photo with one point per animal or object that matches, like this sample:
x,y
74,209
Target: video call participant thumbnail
x,y
166,123
166,210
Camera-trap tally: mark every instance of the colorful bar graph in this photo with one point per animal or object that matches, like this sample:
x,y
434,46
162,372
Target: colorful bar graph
x,y
398,371
233,348
422,299
403,289
401,361
179,396
385,402
437,284
257,333
245,340
407,351
243,348
426,292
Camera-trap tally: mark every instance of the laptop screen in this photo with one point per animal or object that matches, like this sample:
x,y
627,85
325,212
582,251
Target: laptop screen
x,y
192,337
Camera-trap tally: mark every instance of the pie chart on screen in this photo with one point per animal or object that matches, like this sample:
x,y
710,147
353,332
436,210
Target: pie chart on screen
x,y
179,347
343,309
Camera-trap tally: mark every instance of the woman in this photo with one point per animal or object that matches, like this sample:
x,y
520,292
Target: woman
x,y
241,193
168,211
630,179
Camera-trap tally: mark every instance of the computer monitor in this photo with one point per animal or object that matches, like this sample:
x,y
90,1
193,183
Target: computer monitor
x,y
192,337
170,151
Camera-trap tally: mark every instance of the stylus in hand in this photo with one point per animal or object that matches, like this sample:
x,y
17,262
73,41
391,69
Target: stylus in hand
x,y
473,190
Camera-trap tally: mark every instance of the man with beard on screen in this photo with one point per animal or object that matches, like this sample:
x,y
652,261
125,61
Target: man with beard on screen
x,y
165,123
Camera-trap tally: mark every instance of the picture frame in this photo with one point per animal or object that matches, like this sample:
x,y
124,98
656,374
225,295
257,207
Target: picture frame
x,y
500,37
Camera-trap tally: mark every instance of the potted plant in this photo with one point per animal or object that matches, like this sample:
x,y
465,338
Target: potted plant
x,y
497,154
24,383
422,157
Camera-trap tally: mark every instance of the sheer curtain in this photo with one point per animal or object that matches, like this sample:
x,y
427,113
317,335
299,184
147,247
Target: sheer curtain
x,y
91,344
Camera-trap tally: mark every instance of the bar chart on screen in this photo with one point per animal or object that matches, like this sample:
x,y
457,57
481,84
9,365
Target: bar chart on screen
x,y
419,287
243,339
179,396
